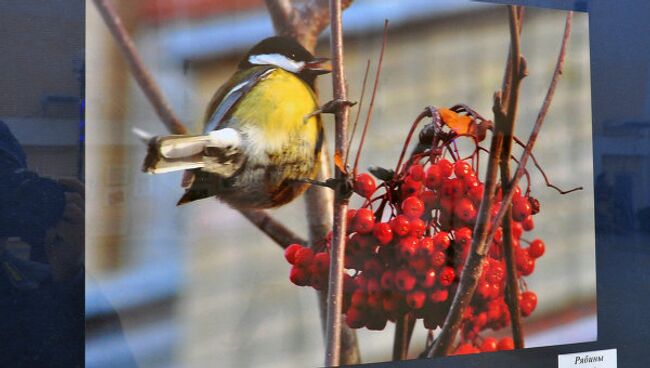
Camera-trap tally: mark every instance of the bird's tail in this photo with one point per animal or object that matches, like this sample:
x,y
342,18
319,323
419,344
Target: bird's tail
x,y
174,153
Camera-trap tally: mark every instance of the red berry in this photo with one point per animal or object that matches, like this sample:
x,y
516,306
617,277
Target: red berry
x,y
416,172
373,267
299,276
462,169
441,240
429,279
355,318
434,177
322,262
405,280
290,252
415,299
426,247
401,225
452,188
383,232
489,344
358,243
465,348
418,227
447,276
536,248
413,207
496,273
476,193
506,343
528,224
520,210
407,247
365,185
517,230
446,167
349,218
484,289
527,303
439,295
465,210
438,258
364,221
430,199
463,237
387,280
410,187
303,257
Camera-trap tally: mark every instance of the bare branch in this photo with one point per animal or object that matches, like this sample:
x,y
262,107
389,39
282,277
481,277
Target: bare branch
x,y
272,228
508,127
281,12
139,71
337,255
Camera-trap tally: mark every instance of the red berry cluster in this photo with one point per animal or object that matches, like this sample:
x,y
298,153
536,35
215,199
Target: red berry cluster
x,y
409,260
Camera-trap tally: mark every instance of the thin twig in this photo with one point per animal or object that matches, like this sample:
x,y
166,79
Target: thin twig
x,y
375,87
140,73
507,198
358,114
337,255
547,181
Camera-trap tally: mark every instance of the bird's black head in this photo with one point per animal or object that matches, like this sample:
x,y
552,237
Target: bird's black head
x,y
288,54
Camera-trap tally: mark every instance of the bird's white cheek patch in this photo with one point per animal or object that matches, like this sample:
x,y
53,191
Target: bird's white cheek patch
x,y
278,60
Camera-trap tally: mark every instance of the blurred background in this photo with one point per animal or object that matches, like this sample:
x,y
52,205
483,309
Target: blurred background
x,y
191,286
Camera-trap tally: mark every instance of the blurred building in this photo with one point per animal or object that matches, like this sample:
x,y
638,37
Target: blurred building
x,y
197,284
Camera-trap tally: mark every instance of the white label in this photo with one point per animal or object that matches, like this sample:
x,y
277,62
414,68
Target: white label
x,y
588,359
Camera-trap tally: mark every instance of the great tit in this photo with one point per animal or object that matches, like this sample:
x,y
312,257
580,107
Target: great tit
x,y
261,136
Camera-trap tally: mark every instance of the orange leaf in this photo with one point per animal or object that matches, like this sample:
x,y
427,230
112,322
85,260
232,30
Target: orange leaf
x,y
338,161
459,123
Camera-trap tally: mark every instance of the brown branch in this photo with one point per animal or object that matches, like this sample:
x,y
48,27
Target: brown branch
x,y
303,21
272,228
403,331
341,198
140,73
507,125
318,200
547,181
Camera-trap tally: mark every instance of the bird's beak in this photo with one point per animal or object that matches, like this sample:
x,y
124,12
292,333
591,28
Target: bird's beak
x,y
319,65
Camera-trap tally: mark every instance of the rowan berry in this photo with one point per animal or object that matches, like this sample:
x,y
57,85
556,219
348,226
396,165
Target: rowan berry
x,y
365,185
413,207
536,248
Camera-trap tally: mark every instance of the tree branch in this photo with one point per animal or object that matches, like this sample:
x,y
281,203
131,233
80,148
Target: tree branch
x,y
508,127
319,201
341,197
140,73
272,228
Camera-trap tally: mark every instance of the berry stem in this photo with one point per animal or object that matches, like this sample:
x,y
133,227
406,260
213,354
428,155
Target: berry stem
x,y
372,99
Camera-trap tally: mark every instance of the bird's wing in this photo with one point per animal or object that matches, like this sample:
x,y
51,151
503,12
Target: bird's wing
x,y
231,92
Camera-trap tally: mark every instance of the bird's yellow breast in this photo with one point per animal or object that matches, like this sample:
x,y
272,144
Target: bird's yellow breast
x,y
272,114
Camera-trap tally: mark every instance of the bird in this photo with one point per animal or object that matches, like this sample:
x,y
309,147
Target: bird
x,y
262,134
